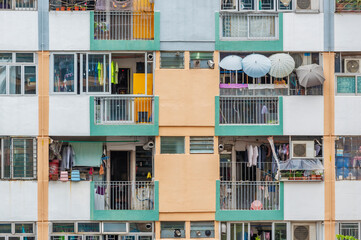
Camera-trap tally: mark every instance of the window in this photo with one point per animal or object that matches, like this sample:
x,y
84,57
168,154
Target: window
x,y
229,4
201,60
18,74
201,145
172,60
348,6
17,231
64,73
285,5
349,229
18,158
89,227
348,158
349,85
97,77
202,230
114,227
63,227
172,230
256,5
172,145
18,5
249,27
280,230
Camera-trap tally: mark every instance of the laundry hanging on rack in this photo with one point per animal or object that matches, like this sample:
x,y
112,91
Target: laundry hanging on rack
x,y
67,158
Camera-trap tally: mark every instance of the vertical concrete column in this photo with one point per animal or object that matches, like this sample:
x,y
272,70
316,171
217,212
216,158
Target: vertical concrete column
x,y
329,143
43,145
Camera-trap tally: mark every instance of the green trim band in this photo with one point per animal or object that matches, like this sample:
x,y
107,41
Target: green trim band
x,y
125,215
249,215
109,45
251,46
248,130
125,130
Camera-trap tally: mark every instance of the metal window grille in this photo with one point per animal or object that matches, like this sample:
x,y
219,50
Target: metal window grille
x,y
201,145
249,110
21,5
349,229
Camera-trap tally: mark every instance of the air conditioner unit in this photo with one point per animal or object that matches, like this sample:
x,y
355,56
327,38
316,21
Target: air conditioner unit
x,y
303,5
352,65
303,149
303,231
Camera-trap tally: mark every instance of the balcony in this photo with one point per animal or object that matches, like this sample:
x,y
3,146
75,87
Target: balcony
x,y
236,115
124,30
348,6
126,200
124,115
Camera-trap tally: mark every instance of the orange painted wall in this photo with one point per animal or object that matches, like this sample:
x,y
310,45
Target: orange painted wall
x,y
186,96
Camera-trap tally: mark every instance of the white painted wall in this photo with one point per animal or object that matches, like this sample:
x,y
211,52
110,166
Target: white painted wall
x,y
347,32
19,201
347,115
69,30
304,201
19,30
19,115
69,115
303,115
69,200
348,198
303,32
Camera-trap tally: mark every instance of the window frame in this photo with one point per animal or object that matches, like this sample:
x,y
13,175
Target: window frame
x,y
115,233
191,59
199,139
355,76
229,10
21,235
180,68
338,228
182,235
248,38
22,66
87,73
51,78
184,145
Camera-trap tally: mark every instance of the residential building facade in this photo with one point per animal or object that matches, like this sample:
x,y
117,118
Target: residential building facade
x,y
119,123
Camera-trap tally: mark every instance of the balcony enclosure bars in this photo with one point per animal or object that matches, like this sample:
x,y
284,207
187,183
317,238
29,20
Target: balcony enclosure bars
x,y
123,195
124,25
101,5
21,5
241,171
249,110
243,195
126,109
348,6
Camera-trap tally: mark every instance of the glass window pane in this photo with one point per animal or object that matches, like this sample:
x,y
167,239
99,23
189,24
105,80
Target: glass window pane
x,y
261,229
75,238
266,5
92,237
246,4
58,238
64,73
63,227
30,80
201,145
2,238
140,227
172,230
24,228
172,60
280,231
98,72
2,79
174,145
282,6
358,84
345,84
127,238
262,27
202,230
88,227
349,229
200,59
145,238
15,80
25,57
5,228
229,4
14,238
6,57
6,157
235,26
236,231
23,158
114,227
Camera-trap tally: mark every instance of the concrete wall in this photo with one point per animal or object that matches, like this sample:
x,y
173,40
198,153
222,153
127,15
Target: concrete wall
x,y
69,200
302,32
19,30
188,20
304,201
347,115
69,115
303,115
69,30
348,199
347,32
19,115
19,201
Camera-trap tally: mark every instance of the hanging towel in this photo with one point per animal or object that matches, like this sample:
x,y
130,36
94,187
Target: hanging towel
x,y
255,156
88,154
250,155
116,71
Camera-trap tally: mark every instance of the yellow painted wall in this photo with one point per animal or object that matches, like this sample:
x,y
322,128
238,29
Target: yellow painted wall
x,y
186,96
329,144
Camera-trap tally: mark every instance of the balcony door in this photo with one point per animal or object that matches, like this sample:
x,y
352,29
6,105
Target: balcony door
x,y
120,166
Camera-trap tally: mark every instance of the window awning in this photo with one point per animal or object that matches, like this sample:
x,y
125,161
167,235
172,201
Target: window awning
x,y
302,164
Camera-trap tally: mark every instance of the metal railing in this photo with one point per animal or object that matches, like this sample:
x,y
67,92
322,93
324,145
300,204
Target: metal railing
x,y
72,5
123,195
242,171
125,25
21,5
249,195
348,6
248,26
134,109
249,110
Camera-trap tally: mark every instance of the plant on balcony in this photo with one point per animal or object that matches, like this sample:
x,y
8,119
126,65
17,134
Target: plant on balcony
x,y
348,5
342,237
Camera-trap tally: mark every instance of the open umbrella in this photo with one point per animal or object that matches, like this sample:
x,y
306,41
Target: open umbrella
x,y
310,75
282,65
231,62
256,65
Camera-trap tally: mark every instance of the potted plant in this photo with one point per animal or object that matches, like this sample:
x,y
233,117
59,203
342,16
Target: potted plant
x,y
318,176
299,175
62,8
313,175
68,8
76,7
